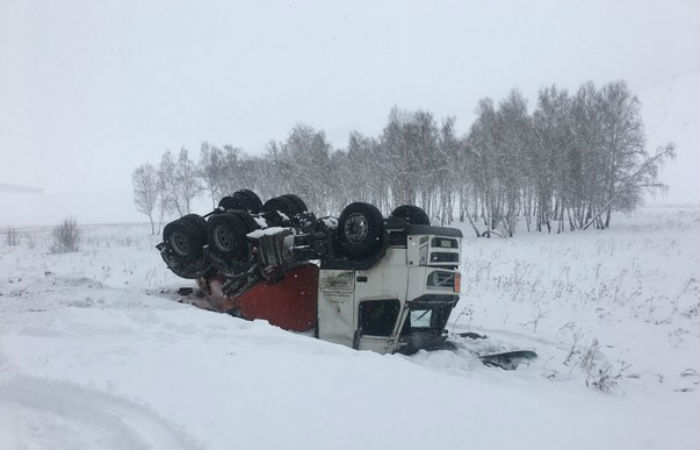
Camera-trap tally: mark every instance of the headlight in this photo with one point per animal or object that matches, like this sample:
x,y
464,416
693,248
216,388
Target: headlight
x,y
441,279
444,243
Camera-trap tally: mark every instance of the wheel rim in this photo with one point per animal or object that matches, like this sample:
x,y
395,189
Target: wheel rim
x,y
223,238
356,228
180,243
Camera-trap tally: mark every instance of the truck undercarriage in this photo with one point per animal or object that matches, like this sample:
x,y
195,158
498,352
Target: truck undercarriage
x,y
360,280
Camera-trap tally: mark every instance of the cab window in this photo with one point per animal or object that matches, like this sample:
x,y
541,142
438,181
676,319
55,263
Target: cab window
x,y
378,317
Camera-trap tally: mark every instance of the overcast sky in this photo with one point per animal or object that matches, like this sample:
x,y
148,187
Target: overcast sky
x,y
91,89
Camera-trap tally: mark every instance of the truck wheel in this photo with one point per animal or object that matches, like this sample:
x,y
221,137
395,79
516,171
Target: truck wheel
x,y
229,203
197,220
254,201
226,236
299,203
184,239
281,204
411,214
243,199
360,230
247,220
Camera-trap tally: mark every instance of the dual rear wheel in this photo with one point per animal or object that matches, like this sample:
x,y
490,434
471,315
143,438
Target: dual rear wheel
x,y
243,199
226,238
361,228
360,232
283,208
184,238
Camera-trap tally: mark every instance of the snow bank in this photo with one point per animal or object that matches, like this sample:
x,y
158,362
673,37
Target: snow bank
x,y
96,352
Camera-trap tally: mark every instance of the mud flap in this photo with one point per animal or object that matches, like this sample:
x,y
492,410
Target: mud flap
x,y
508,360
505,360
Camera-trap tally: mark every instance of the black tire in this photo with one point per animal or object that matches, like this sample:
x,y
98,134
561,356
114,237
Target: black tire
x,y
235,201
298,202
247,220
411,214
229,203
254,202
281,204
197,220
226,236
184,240
360,230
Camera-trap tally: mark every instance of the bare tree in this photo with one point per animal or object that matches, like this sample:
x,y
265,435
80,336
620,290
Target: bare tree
x,y
482,142
11,237
212,169
167,179
552,140
570,164
623,146
627,189
308,157
66,237
146,191
179,182
514,139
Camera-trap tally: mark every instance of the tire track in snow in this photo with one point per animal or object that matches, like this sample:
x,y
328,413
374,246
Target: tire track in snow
x,y
58,414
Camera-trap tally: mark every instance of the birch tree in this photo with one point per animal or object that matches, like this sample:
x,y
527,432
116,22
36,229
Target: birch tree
x,y
179,182
569,164
146,191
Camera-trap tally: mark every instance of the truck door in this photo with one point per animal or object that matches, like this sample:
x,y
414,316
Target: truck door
x,y
377,324
380,295
336,319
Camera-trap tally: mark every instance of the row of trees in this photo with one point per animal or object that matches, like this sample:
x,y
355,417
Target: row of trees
x,y
567,165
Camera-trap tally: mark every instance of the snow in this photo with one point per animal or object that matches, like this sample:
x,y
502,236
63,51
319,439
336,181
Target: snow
x,y
95,352
257,234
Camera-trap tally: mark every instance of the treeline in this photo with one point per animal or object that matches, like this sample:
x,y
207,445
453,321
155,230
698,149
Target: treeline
x,y
565,166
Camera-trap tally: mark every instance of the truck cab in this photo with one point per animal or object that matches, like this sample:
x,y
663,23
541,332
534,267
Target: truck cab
x,y
401,303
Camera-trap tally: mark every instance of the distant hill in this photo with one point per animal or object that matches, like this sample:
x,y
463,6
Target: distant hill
x,y
16,189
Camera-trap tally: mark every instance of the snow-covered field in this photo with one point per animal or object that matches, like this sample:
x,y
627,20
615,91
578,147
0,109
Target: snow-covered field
x,y
94,352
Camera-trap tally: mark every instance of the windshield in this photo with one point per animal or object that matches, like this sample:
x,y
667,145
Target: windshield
x,y
428,317
421,318
424,327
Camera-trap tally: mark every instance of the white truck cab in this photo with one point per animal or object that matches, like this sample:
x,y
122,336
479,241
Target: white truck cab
x,y
402,302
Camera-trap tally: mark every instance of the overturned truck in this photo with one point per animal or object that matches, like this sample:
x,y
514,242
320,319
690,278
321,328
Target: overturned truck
x,y
361,280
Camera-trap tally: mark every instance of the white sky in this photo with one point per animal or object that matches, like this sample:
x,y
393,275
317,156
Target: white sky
x,y
89,90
